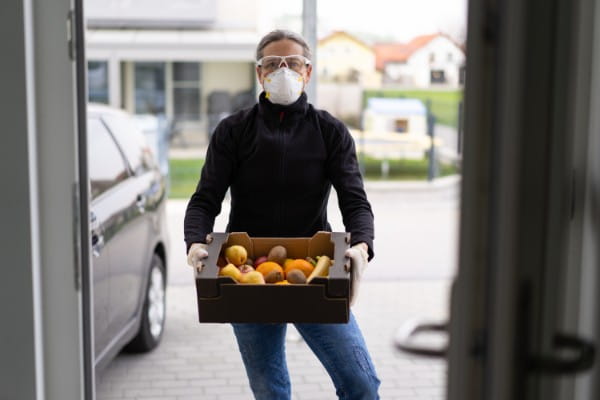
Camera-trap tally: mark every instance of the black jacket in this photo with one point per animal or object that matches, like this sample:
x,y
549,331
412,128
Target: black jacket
x,y
280,163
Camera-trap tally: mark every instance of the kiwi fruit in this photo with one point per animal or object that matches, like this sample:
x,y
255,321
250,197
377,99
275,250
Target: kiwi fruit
x,y
296,276
277,254
274,276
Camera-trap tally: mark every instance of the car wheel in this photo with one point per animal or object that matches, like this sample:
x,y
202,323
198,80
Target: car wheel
x,y
154,311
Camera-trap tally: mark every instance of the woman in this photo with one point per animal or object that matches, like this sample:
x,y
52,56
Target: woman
x,y
280,159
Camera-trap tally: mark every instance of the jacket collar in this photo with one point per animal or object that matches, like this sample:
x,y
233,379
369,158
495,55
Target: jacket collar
x,y
278,113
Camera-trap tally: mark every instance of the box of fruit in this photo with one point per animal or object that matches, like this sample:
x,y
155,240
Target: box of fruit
x,y
262,280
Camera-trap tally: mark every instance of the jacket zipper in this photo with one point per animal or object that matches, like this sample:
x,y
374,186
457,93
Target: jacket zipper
x,y
282,173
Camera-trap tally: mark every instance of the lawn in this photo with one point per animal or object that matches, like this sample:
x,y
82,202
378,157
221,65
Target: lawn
x,y
444,103
184,176
185,173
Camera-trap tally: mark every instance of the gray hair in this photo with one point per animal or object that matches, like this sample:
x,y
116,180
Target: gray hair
x,y
281,34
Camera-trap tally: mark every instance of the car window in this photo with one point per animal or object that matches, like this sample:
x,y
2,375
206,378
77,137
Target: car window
x,y
105,163
131,139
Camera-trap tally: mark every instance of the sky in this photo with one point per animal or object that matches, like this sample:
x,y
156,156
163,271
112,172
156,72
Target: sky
x,y
398,20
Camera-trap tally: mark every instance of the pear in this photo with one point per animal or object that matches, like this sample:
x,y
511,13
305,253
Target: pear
x,y
231,271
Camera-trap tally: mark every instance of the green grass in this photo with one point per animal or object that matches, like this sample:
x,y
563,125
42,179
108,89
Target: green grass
x,y
184,174
444,103
403,169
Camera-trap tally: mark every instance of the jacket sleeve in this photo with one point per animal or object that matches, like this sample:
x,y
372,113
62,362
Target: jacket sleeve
x,y
344,173
215,178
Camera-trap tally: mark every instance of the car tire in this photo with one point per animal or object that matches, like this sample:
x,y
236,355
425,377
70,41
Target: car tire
x,y
153,312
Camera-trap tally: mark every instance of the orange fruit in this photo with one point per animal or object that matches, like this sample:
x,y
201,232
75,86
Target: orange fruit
x,y
284,282
269,266
301,264
286,262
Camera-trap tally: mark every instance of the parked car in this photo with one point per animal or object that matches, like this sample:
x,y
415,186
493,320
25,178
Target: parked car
x,y
129,236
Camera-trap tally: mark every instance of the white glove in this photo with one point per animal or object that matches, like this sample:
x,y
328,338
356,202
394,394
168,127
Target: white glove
x,y
198,252
359,259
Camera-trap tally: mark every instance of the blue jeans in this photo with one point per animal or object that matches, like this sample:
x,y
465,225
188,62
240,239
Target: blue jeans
x,y
340,348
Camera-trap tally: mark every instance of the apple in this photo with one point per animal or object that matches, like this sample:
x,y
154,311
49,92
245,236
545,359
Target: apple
x,y
236,255
260,260
244,269
253,277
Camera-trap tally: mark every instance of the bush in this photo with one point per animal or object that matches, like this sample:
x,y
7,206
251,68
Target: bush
x,y
402,169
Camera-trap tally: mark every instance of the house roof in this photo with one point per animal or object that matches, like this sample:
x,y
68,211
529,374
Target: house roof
x,y
400,52
342,34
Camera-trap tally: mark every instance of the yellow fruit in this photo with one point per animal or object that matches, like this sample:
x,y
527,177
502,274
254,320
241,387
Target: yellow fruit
x,y
236,255
322,267
231,271
283,282
254,277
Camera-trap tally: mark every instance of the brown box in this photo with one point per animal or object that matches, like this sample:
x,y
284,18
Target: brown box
x,y
323,300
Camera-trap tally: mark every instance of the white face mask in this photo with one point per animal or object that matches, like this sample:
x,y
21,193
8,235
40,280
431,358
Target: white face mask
x,y
283,86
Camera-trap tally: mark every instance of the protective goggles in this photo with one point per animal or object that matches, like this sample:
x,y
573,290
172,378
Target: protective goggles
x,y
293,62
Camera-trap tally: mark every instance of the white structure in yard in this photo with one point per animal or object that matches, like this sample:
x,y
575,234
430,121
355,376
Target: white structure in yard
x,y
395,128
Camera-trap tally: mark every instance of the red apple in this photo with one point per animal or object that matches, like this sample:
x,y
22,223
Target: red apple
x,y
259,261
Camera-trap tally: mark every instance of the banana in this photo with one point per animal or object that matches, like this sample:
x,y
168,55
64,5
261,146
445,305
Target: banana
x,y
321,269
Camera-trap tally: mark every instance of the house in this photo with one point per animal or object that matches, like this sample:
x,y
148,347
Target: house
x,y
344,58
426,61
186,61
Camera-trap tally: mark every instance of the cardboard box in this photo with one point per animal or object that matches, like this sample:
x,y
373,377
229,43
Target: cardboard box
x,y
323,300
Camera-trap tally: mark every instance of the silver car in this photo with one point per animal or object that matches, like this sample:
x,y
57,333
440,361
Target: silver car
x,y
129,236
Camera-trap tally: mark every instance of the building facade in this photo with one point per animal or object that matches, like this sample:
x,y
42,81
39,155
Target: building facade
x,y
426,61
343,58
189,62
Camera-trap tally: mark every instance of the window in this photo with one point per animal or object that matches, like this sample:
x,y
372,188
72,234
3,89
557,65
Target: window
x,y
431,58
149,88
401,125
438,76
449,57
131,140
98,81
105,162
186,91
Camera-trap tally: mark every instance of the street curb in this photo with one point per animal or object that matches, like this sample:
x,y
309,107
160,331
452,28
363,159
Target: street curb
x,y
445,182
